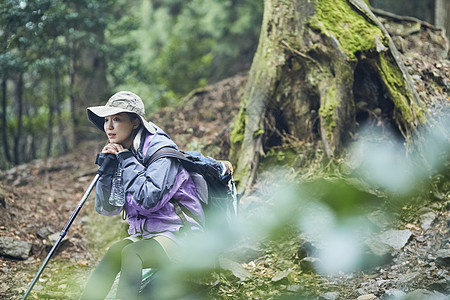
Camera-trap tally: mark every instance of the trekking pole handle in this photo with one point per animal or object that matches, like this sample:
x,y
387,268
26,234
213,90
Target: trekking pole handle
x,y
108,160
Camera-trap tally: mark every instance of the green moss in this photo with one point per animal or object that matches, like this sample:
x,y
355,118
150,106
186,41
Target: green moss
x,y
352,30
258,133
395,83
237,135
244,172
282,156
328,110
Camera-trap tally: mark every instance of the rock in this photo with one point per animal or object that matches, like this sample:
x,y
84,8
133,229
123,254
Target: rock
x,y
53,238
408,277
44,232
330,296
378,248
396,239
235,268
427,219
442,285
367,297
281,275
4,287
14,248
245,253
294,288
443,257
369,287
387,241
394,294
308,263
306,249
424,294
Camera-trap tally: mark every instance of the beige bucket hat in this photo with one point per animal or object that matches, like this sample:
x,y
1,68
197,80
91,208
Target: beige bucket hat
x,y
122,101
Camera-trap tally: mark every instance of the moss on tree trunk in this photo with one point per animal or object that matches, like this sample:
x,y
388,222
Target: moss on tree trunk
x,y
318,65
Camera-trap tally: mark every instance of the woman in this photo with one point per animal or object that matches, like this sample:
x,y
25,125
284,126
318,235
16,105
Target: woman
x,y
141,191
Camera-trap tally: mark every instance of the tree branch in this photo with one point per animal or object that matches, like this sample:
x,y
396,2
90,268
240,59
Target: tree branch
x,y
383,13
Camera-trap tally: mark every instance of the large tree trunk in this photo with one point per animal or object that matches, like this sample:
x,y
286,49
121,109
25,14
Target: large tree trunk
x,y
320,67
442,15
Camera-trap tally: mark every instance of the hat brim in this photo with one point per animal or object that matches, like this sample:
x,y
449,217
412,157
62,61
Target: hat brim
x,y
97,114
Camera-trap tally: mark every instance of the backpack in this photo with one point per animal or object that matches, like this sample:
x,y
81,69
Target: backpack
x,y
215,186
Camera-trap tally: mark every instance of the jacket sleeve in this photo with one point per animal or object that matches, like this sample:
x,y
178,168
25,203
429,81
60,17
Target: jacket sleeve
x,y
149,184
103,189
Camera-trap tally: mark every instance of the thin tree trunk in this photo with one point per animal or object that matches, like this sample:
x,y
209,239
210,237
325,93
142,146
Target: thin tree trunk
x,y
72,71
33,147
35,135
25,137
59,99
5,121
18,136
51,114
61,130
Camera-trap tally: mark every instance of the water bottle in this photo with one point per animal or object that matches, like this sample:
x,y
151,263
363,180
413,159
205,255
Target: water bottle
x,y
117,197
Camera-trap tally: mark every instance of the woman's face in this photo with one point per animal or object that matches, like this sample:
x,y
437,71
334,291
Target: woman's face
x,y
119,128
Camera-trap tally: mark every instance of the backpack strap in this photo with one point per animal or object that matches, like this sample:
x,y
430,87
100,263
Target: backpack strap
x,y
167,152
180,213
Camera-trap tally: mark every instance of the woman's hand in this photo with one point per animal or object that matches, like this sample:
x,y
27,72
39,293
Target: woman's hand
x,y
113,148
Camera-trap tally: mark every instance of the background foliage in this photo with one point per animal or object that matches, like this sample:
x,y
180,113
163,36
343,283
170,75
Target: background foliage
x,y
58,57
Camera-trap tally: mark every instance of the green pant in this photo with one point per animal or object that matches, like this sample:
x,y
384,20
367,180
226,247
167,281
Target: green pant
x,y
129,259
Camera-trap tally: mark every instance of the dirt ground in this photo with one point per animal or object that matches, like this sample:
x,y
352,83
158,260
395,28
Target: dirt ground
x,y
37,199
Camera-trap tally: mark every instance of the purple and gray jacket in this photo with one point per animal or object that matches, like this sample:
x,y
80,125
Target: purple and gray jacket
x,y
150,190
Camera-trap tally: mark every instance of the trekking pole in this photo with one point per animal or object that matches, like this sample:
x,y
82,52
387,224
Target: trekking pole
x,y
109,158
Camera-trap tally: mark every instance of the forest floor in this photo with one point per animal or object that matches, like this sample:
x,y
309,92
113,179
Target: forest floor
x,y
37,199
